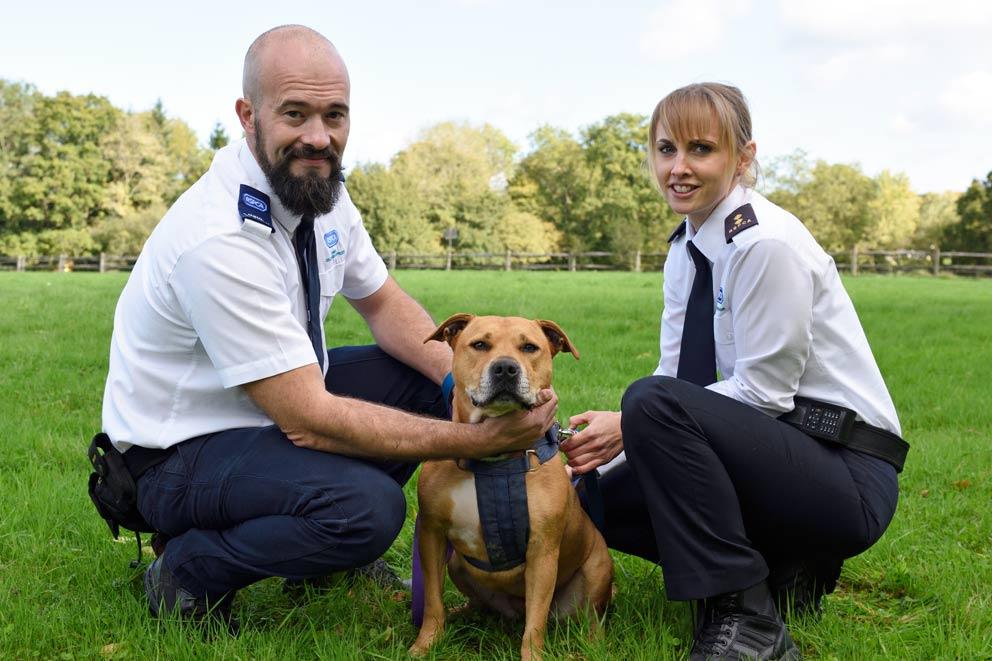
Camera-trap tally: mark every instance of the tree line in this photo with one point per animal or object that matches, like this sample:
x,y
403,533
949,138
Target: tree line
x,y
80,176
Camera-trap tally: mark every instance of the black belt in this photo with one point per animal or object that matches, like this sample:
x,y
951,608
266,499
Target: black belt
x,y
808,417
139,459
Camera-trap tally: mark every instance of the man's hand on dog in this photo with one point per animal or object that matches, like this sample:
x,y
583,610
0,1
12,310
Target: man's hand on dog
x,y
519,430
595,445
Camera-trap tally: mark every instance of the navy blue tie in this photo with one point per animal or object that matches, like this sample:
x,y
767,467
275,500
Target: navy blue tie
x,y
697,356
306,255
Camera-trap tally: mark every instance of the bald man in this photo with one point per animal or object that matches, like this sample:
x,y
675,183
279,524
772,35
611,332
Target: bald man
x,y
257,452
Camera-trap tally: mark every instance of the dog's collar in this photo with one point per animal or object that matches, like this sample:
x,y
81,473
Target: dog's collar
x,y
521,461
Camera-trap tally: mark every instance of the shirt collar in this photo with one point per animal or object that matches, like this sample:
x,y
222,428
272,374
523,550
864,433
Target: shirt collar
x,y
258,180
710,239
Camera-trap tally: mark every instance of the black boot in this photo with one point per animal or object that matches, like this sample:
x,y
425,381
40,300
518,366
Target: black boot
x,y
167,598
798,586
741,625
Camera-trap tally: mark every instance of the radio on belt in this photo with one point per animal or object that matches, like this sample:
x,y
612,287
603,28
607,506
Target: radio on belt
x,y
826,421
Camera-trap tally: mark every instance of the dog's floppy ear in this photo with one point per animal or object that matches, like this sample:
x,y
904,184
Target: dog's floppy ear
x,y
556,336
450,328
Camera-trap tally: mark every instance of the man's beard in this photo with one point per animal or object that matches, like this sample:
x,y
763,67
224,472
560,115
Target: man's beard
x,y
308,195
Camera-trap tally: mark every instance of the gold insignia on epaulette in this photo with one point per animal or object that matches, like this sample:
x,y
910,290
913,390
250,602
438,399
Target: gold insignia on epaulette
x,y
739,220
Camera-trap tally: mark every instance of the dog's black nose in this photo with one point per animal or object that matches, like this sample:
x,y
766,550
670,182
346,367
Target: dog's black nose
x,y
504,369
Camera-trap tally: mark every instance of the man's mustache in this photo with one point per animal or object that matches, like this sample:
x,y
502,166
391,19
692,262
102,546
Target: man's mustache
x,y
312,153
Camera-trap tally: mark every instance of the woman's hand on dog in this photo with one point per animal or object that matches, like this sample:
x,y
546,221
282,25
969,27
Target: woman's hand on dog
x,y
595,445
519,430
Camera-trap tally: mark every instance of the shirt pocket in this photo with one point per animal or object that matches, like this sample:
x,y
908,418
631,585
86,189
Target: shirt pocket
x,y
723,339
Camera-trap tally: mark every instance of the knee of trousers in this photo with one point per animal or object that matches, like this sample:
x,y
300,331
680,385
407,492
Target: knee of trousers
x,y
365,524
650,410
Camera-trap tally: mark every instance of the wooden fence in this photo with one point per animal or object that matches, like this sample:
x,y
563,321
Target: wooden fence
x,y
854,261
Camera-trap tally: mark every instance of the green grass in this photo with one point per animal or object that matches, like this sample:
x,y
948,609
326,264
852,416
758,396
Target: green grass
x,y
923,592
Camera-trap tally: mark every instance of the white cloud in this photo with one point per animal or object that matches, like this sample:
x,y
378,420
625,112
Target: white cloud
x,y
871,20
969,97
685,27
842,64
903,124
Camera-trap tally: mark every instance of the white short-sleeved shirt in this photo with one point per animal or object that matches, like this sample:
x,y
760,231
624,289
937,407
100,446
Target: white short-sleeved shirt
x,y
214,303
783,323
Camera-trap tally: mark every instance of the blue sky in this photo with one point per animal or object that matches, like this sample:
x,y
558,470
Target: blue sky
x,y
898,85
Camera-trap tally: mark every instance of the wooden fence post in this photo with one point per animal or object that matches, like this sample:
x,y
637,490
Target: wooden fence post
x,y
935,258
637,262
571,261
21,261
103,262
61,263
854,260
392,260
506,261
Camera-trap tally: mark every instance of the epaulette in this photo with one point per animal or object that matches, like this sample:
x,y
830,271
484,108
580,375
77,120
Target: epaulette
x,y
739,220
256,215
679,231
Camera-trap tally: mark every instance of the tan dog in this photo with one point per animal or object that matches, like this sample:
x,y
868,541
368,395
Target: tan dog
x,y
500,364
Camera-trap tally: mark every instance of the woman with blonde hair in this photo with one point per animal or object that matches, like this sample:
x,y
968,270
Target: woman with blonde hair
x,y
765,448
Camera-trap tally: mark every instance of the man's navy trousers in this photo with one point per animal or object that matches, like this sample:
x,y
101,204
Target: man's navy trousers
x,y
717,492
244,504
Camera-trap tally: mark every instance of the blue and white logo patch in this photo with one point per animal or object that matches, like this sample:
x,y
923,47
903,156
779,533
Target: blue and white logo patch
x,y
254,202
719,299
331,238
253,207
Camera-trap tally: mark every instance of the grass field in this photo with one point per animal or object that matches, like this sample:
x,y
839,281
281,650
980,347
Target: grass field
x,y
923,592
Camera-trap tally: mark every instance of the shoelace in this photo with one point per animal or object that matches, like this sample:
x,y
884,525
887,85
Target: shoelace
x,y
716,636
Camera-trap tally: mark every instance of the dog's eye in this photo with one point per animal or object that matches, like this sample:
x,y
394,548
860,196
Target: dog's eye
x,y
479,345
529,348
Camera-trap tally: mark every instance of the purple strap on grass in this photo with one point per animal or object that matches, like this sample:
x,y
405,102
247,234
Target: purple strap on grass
x,y
417,588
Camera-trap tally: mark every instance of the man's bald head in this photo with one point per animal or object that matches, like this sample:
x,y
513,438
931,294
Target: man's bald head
x,y
270,41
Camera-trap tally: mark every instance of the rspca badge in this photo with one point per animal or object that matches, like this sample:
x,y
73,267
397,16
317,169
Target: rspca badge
x,y
335,251
739,220
256,214
719,299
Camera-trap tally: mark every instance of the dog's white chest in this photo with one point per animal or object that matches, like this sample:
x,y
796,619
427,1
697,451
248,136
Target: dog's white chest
x,y
466,529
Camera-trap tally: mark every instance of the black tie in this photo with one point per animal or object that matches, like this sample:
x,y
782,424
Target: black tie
x,y
306,255
697,357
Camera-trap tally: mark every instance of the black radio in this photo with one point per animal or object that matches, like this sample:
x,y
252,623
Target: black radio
x,y
822,420
837,424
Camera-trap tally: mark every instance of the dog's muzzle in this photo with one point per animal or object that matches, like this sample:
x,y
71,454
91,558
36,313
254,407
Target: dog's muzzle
x,y
504,382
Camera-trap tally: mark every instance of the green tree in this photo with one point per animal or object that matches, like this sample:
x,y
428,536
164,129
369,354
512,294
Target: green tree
x,y
140,174
459,173
16,125
71,164
626,212
126,235
894,211
58,176
787,174
187,159
554,182
392,211
973,233
938,212
218,137
834,203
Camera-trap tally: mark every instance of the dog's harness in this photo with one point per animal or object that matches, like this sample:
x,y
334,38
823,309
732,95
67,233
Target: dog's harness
x,y
501,494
